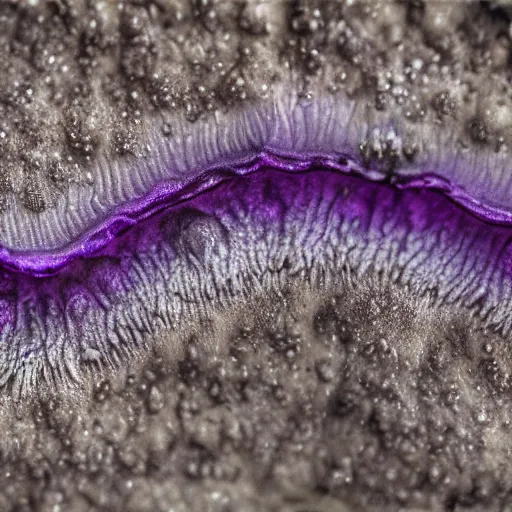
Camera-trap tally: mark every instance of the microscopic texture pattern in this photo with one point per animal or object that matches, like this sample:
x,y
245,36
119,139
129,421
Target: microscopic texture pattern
x,y
241,235
255,255
196,157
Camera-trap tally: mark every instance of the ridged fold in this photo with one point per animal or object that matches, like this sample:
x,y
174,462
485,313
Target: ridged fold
x,y
249,233
329,126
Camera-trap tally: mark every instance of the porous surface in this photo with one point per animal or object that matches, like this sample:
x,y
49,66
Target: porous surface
x,y
78,77
310,399
99,99
308,341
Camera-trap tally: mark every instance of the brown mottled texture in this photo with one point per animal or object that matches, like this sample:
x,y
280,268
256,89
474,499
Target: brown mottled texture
x,y
360,397
81,79
307,400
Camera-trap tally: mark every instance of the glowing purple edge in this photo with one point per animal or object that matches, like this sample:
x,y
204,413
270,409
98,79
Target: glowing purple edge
x,y
45,263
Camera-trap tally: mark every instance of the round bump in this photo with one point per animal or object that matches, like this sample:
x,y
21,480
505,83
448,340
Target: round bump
x,y
193,232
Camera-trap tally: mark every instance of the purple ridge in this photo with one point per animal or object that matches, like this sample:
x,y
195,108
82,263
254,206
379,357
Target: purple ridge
x,y
47,263
267,196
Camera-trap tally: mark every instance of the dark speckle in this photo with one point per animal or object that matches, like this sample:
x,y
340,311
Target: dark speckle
x,y
478,131
33,198
444,104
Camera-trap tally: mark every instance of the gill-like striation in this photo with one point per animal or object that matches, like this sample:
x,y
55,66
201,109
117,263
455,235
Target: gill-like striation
x,y
249,233
197,155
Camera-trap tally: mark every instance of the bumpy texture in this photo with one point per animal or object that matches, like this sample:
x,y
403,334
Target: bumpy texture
x,y
305,400
98,100
255,256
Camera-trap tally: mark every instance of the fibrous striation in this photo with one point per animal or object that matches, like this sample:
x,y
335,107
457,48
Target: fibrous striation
x,y
178,177
248,232
111,103
330,127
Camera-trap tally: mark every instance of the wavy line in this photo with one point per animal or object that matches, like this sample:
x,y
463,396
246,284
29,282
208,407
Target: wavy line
x,y
167,194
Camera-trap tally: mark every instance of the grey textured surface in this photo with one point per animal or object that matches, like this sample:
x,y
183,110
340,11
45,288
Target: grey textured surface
x,y
312,399
97,99
244,406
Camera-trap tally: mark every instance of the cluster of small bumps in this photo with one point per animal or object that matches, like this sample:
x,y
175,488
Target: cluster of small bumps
x,y
83,79
302,407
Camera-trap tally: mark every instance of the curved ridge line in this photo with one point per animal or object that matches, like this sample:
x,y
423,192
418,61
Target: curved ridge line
x,y
47,263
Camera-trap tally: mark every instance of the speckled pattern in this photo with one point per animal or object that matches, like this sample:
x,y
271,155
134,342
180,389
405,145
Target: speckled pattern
x,y
350,352
309,400
81,79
